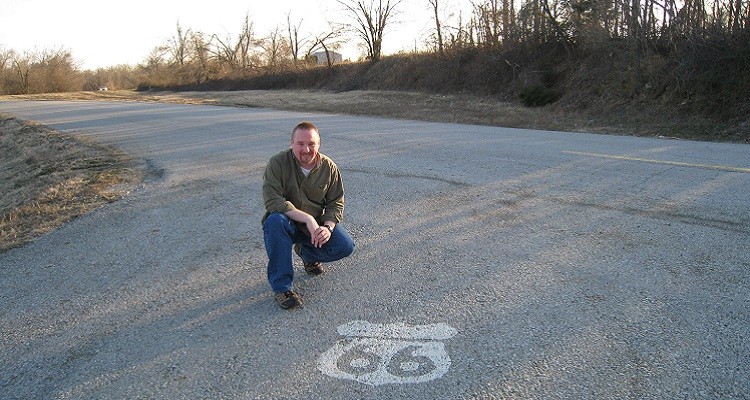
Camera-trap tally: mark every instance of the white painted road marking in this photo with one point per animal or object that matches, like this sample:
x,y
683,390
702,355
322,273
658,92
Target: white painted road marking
x,y
378,354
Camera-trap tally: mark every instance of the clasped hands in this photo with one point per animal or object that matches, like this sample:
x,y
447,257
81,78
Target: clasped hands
x,y
319,234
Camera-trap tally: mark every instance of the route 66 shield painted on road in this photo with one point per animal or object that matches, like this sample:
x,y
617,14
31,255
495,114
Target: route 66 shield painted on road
x,y
378,354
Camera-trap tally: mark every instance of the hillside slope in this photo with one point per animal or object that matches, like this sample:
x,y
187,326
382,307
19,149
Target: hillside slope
x,y
700,91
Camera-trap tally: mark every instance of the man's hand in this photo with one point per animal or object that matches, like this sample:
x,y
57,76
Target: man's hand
x,y
321,236
316,232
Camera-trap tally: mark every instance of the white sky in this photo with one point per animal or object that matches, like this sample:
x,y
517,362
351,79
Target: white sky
x,y
102,33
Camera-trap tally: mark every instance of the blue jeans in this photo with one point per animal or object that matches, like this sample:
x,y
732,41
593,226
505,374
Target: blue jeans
x,y
279,235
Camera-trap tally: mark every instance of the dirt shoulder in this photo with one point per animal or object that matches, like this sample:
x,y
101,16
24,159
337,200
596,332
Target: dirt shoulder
x,y
454,108
48,178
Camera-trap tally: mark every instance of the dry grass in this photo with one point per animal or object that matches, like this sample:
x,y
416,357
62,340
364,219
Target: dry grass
x,y
396,104
47,178
455,108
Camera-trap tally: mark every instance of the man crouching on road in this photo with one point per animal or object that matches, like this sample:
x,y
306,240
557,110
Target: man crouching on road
x,y
304,198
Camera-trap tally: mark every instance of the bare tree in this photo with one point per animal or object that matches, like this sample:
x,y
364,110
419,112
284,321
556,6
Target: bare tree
x,y
556,25
273,50
294,39
154,68
438,29
488,22
735,23
56,71
225,53
179,46
328,41
118,77
201,50
246,44
39,71
156,57
6,57
370,22
6,70
463,34
496,20
22,69
241,56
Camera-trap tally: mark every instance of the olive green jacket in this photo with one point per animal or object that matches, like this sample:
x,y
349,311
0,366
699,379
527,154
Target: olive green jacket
x,y
320,193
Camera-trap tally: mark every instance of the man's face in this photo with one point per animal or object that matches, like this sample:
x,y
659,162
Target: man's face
x,y
305,145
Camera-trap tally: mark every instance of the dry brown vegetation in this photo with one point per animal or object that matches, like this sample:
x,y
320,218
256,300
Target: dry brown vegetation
x,y
702,94
47,178
455,108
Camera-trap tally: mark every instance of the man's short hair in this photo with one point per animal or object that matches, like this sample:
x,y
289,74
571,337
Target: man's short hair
x,y
306,126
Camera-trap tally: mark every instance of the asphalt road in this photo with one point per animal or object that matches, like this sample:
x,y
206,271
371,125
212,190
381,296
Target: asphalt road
x,y
491,263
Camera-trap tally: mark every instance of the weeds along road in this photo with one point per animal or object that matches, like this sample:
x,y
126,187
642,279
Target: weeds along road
x,y
490,263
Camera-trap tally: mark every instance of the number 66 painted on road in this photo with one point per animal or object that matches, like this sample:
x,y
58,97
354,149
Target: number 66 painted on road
x,y
377,354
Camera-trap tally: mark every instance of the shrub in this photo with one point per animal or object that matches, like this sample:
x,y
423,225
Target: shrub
x,y
538,96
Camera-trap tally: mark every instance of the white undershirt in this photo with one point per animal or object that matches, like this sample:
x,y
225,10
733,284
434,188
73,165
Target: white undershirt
x,y
306,171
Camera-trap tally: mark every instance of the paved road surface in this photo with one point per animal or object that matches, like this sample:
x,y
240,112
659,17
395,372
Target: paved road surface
x,y
491,263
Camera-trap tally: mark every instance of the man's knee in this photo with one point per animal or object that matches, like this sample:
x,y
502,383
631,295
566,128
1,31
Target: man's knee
x,y
347,248
275,221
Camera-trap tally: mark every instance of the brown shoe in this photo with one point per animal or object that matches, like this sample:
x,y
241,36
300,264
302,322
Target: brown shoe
x,y
289,299
312,268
